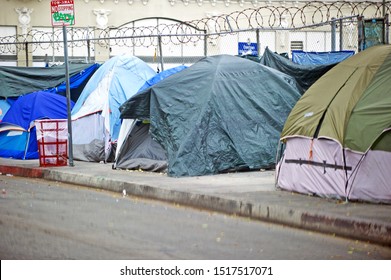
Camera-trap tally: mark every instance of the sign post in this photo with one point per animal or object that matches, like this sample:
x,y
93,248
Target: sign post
x,y
63,15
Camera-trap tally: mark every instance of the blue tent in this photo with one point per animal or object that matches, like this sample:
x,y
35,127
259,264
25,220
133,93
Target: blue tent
x,y
17,129
4,107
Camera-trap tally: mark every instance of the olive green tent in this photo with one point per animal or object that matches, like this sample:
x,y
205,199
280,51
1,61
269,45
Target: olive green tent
x,y
338,134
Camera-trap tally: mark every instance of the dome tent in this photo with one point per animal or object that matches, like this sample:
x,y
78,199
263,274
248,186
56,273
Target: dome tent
x,y
95,116
337,135
18,137
222,113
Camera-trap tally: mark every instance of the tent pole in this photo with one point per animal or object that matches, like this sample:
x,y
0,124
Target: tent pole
x,y
27,144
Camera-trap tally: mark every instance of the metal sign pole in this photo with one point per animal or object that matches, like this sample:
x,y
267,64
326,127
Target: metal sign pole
x,y
68,93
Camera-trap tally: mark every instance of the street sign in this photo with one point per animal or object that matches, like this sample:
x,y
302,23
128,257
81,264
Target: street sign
x,y
246,48
62,12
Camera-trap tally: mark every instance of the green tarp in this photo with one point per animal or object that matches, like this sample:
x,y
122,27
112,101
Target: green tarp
x,y
305,75
222,113
16,81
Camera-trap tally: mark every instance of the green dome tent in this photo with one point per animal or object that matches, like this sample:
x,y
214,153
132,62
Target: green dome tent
x,y
338,134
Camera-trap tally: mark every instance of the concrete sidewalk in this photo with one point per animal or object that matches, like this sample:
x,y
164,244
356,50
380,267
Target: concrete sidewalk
x,y
249,194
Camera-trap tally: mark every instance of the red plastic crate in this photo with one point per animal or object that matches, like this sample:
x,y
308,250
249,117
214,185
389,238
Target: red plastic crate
x,y
52,137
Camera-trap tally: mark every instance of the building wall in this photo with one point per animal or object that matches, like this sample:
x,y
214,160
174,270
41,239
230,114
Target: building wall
x,y
120,11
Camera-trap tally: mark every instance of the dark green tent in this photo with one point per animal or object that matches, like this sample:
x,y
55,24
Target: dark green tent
x,y
222,113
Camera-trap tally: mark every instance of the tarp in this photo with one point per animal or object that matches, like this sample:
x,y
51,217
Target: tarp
x,y
305,75
19,121
161,76
16,81
222,113
77,82
112,84
338,135
319,58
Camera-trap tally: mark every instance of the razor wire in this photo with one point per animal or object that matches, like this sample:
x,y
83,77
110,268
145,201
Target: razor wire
x,y
179,33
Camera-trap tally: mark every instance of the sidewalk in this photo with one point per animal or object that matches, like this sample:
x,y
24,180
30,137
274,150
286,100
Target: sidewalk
x,y
249,194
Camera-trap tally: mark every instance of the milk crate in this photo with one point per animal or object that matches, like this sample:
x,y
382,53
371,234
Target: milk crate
x,y
52,137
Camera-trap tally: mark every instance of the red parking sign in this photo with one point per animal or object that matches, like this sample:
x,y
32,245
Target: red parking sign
x,y
62,12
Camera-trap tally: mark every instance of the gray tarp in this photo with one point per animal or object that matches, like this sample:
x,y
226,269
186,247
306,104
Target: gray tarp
x,y
16,81
140,151
305,75
222,113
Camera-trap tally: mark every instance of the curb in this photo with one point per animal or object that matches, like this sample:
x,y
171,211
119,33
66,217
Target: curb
x,y
23,171
365,230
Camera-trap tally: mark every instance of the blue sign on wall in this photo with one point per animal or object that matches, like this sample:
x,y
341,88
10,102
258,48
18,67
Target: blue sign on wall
x,y
245,48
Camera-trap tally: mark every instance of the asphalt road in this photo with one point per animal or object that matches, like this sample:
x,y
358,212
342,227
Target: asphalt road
x,y
50,220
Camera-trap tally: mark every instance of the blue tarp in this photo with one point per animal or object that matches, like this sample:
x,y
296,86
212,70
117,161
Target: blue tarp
x,y
320,58
161,76
23,113
77,82
17,81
